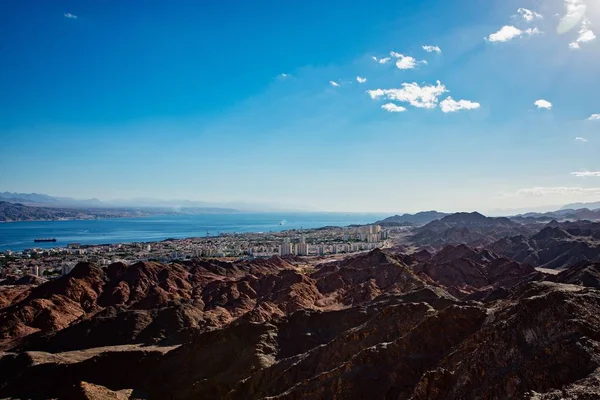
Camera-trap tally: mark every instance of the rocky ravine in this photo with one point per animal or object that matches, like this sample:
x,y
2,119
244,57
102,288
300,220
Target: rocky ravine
x,y
460,323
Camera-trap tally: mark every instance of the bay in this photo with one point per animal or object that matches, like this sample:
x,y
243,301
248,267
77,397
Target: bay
x,y
18,236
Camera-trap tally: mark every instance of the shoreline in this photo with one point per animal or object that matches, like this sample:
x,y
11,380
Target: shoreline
x,y
157,228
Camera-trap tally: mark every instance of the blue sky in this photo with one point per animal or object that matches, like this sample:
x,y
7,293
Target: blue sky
x,y
258,101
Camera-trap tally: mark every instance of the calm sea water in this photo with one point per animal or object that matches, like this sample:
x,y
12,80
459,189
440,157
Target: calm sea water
x,y
20,235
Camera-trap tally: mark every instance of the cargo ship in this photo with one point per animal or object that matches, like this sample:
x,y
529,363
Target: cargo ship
x,y
45,240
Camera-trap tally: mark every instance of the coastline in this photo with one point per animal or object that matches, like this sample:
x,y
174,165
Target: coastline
x,y
20,235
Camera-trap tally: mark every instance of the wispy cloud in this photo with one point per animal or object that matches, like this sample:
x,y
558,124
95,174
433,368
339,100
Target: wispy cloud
x,y
509,32
581,139
381,60
586,174
70,16
360,79
418,96
432,49
575,11
585,35
545,104
391,107
451,105
527,15
594,117
406,62
284,75
334,84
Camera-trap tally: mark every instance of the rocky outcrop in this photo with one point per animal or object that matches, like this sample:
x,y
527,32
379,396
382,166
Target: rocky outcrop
x,y
584,274
148,302
464,270
361,278
542,338
473,229
459,323
556,246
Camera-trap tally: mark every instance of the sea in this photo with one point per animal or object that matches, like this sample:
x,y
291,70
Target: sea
x,y
17,236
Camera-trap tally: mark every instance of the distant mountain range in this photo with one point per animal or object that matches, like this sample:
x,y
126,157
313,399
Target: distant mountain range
x,y
419,218
562,214
10,212
44,199
184,206
577,206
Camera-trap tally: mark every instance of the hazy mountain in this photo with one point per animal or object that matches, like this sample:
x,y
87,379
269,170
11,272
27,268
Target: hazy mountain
x,y
419,218
10,212
187,206
563,214
46,200
576,206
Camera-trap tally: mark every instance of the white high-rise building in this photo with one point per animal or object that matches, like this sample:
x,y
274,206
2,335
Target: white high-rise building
x,y
373,238
321,249
286,249
302,249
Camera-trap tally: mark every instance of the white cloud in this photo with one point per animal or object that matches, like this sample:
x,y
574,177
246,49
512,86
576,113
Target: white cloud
x,y
381,60
594,117
451,105
405,62
418,96
284,75
505,34
559,191
575,11
431,49
532,31
586,174
581,139
391,107
585,35
334,84
509,32
545,104
361,79
527,15
70,16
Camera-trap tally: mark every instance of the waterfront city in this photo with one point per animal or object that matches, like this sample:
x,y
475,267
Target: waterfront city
x,y
58,261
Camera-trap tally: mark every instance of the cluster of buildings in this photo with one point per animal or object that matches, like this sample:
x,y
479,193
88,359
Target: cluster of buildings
x,y
313,242
362,238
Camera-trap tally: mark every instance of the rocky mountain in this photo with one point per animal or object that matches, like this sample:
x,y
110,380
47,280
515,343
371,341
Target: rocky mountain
x,y
556,246
473,229
463,270
584,274
457,323
419,218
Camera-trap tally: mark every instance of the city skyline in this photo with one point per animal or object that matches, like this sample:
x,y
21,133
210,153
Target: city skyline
x,y
394,106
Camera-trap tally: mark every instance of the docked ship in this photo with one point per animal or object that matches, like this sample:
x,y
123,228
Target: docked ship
x,y
45,240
